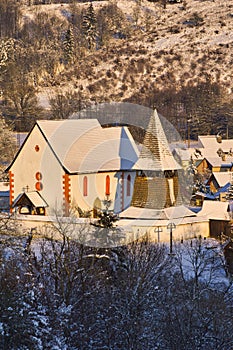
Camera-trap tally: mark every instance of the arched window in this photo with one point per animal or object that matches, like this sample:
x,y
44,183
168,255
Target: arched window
x,y
128,189
107,188
85,186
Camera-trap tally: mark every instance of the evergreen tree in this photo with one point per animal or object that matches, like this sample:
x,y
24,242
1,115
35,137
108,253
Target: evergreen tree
x,y
69,45
89,27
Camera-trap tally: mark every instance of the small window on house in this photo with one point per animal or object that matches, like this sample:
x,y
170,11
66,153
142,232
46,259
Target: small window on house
x,y
128,190
85,186
107,189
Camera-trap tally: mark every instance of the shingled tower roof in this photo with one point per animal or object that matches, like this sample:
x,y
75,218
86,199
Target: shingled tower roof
x,y
155,154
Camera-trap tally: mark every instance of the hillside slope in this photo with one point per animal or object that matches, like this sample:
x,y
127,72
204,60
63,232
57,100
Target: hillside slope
x,y
177,59
180,45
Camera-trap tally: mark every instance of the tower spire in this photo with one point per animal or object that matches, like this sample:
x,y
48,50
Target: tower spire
x,y
155,154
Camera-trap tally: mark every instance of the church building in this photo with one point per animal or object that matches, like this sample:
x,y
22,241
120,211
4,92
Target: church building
x,y
77,164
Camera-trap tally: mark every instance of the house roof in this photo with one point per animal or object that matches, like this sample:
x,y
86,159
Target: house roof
x,y
128,224
214,196
211,149
222,178
82,145
102,149
156,154
34,197
210,142
180,211
152,214
184,154
207,195
214,210
61,134
218,162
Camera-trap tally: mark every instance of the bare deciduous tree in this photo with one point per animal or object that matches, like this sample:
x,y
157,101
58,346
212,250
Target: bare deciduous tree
x,y
63,104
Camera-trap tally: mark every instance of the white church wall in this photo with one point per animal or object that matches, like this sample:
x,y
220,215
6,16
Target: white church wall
x,y
96,190
37,169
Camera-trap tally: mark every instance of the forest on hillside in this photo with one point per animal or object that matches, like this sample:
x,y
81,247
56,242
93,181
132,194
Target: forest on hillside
x,y
77,55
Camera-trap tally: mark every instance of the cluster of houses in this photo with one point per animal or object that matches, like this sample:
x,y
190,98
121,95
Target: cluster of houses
x,y
79,166
212,161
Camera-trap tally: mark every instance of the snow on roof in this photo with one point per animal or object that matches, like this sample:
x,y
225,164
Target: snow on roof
x,y
155,153
4,186
210,142
152,214
178,212
143,213
205,141
214,210
129,223
34,197
218,162
101,150
82,145
222,178
61,134
184,154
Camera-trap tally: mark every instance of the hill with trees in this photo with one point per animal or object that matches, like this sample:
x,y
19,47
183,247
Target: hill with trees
x,y
56,58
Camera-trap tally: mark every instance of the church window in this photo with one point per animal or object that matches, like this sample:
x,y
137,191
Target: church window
x,y
85,186
107,189
128,189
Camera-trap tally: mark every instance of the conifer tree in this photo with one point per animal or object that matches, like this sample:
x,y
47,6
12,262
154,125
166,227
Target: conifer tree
x,y
89,27
69,45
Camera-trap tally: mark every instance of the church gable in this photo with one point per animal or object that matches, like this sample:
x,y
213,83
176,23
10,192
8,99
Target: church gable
x,y
36,168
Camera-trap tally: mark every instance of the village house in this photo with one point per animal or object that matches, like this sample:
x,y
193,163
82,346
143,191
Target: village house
x,y
210,154
214,165
211,164
217,154
219,182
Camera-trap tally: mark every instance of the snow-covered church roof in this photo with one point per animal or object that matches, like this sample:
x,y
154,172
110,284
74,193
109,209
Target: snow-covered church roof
x,y
83,145
156,154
